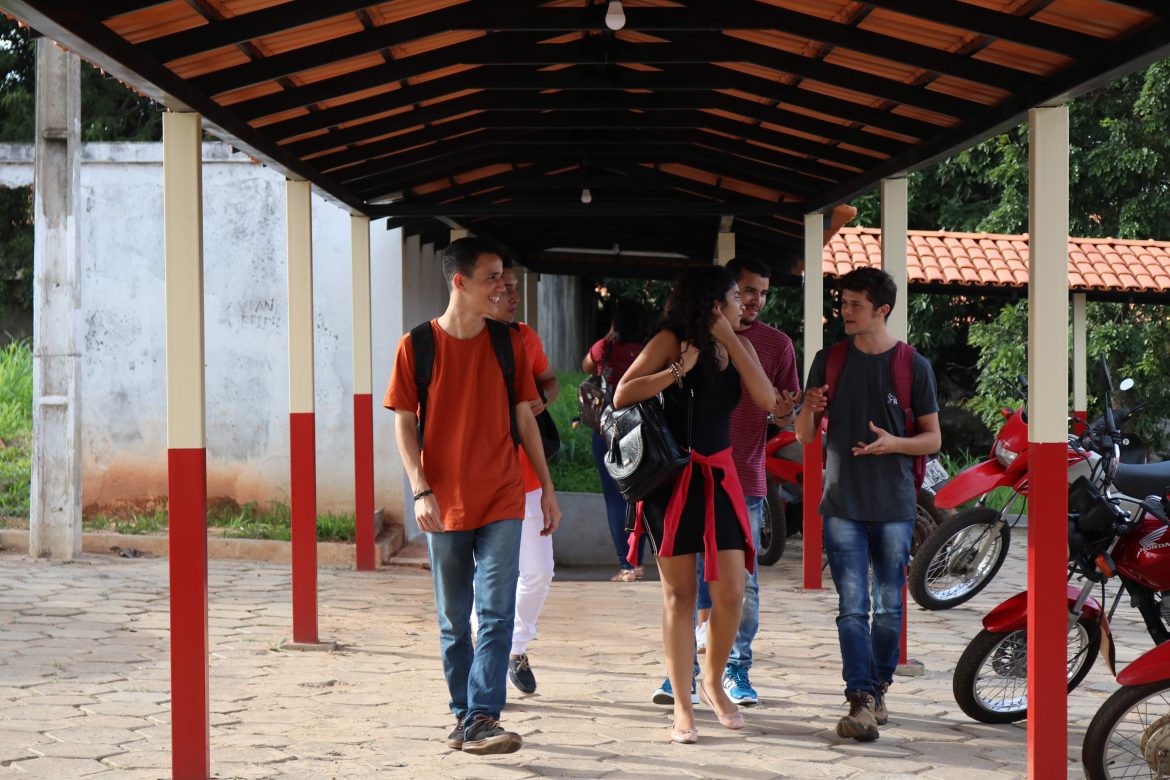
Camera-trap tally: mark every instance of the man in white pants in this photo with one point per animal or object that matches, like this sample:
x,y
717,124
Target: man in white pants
x,y
536,549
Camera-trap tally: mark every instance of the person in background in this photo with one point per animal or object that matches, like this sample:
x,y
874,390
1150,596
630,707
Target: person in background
x,y
610,357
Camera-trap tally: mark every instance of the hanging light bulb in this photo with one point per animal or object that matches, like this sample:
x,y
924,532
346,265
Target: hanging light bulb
x,y
615,15
586,196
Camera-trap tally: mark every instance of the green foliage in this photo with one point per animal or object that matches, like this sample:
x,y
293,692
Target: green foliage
x,y
1133,338
15,427
253,520
573,468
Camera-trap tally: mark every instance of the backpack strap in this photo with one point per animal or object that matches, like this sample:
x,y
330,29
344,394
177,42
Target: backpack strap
x,y
835,365
902,368
422,343
502,344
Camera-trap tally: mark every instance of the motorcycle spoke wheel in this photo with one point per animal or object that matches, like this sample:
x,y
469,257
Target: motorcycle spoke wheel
x,y
958,559
1130,735
991,678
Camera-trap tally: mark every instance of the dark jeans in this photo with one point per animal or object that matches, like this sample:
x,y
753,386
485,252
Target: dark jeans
x,y
615,507
869,654
476,569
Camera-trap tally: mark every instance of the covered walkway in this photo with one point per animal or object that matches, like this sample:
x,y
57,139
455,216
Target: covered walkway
x,y
84,683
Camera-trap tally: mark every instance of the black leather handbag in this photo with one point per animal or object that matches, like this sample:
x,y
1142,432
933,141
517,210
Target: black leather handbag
x,y
642,454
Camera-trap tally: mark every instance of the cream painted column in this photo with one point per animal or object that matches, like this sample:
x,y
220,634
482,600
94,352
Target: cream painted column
x,y
458,233
1080,357
302,443
55,494
363,398
1047,450
894,244
814,339
725,249
186,445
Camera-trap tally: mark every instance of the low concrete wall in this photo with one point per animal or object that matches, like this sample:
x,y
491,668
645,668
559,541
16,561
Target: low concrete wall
x,y
583,537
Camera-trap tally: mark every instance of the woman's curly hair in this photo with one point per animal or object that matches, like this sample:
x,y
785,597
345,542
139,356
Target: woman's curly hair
x,y
688,310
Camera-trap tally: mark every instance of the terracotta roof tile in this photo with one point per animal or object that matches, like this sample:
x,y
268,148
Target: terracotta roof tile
x,y
981,259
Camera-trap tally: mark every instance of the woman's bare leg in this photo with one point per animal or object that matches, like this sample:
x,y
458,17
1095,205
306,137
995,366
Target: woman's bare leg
x,y
679,588
726,602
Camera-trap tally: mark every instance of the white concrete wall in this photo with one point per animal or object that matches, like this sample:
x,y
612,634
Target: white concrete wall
x,y
123,383
565,319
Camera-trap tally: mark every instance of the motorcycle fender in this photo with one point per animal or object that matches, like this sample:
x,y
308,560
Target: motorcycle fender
x,y
1012,615
1153,665
972,483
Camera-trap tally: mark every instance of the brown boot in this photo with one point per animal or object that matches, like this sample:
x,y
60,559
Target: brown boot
x,y
879,708
860,723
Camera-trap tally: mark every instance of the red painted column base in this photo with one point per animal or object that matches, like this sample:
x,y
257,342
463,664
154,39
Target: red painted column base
x,y
1047,611
302,445
187,536
363,475
813,477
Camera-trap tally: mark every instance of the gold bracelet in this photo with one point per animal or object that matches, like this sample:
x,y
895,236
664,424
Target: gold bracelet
x,y
676,369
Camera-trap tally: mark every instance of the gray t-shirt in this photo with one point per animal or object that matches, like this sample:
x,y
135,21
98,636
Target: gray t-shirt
x,y
870,487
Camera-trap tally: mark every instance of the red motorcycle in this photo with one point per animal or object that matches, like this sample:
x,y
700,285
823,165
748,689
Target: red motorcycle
x,y
784,511
962,556
1130,735
1109,536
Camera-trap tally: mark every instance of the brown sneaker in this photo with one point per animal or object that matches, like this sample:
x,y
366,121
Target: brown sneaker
x,y
484,736
860,723
879,707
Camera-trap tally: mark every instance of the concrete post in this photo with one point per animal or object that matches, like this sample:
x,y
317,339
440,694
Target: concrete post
x,y
894,226
726,248
55,500
814,339
186,444
1047,433
363,399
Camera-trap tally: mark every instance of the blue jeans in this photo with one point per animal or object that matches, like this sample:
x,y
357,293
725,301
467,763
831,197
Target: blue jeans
x,y
487,558
869,654
615,507
749,616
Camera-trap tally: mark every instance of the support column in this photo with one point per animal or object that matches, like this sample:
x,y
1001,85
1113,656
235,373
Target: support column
x,y
301,427
363,399
1080,359
894,226
814,338
186,446
55,495
1047,433
726,248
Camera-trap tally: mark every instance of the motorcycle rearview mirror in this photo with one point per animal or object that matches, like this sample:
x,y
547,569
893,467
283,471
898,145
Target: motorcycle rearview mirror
x,y
1126,384
1110,421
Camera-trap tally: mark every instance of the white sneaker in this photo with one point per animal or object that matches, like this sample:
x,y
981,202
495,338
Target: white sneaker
x,y
701,638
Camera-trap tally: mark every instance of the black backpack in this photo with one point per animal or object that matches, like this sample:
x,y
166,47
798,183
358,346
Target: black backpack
x,y
422,342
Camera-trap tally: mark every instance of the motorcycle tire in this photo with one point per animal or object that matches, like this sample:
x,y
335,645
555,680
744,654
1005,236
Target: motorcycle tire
x,y
926,520
941,574
773,529
999,661
1130,734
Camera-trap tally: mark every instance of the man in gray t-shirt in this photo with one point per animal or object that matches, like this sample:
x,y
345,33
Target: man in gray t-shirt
x,y
870,492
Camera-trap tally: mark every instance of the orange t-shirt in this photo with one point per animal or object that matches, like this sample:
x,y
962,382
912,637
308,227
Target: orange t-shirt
x,y
468,457
538,364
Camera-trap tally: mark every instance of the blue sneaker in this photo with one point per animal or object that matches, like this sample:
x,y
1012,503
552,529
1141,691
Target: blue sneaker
x,y
665,694
738,687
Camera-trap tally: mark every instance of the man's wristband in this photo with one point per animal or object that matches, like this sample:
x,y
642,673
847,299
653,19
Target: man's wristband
x,y
423,494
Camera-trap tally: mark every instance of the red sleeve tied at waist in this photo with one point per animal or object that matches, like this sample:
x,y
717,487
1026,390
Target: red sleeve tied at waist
x,y
678,499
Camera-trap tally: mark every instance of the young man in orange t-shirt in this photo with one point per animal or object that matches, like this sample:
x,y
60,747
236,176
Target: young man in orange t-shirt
x,y
467,488
536,548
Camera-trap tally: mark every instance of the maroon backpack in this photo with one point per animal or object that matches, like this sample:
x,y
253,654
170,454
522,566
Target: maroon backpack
x,y
902,369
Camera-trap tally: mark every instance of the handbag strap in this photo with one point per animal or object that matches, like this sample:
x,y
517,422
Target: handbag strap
x,y
604,361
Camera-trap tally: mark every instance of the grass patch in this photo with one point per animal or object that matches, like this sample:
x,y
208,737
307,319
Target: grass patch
x,y
16,372
226,518
573,468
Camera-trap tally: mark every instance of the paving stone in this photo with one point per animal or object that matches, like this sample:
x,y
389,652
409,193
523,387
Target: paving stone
x,y
61,767
92,750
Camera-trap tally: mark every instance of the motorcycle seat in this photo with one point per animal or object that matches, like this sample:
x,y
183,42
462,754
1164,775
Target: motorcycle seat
x,y
1139,480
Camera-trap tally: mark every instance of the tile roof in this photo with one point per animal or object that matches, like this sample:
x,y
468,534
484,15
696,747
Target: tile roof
x,y
989,260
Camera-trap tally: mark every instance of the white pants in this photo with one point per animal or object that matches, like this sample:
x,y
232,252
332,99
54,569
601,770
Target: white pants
x,y
536,573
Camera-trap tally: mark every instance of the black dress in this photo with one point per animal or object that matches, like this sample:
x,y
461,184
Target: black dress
x,y
716,394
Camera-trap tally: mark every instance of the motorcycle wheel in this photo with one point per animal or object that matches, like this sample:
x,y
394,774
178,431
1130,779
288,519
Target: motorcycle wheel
x,y
773,530
991,678
947,569
926,520
1130,734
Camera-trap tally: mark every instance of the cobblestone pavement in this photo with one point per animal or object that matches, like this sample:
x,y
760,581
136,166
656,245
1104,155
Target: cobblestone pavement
x,y
84,683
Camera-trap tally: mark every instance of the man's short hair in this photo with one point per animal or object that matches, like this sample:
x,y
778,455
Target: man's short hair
x,y
877,285
738,265
461,255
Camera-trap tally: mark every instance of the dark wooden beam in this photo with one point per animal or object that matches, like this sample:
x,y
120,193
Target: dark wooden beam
x,y
578,209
